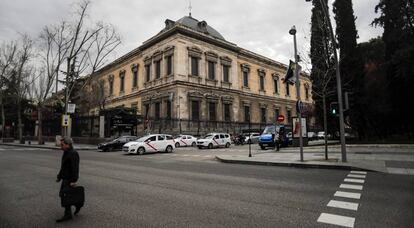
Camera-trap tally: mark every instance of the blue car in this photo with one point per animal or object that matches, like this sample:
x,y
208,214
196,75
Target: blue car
x,y
272,136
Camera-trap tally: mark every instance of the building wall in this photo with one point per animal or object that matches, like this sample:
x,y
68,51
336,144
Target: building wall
x,y
183,87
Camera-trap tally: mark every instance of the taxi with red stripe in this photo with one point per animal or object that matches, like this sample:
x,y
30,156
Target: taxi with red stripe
x,y
150,144
213,140
185,140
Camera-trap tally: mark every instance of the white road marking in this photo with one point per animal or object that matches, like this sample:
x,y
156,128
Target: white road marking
x,y
351,186
358,172
348,195
343,205
356,176
336,220
354,180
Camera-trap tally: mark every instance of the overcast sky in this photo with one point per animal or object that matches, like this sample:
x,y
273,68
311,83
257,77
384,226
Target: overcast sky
x,y
260,26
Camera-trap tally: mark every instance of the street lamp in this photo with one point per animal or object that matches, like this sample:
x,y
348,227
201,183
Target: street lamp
x,y
292,32
179,112
338,81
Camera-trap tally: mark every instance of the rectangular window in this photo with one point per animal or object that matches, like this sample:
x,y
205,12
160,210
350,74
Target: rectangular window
x,y
261,82
169,64
168,108
227,112
211,70
195,115
134,78
245,79
307,93
212,111
226,71
287,89
148,72
289,115
147,107
111,87
263,114
122,82
194,66
275,85
277,112
157,110
158,69
246,113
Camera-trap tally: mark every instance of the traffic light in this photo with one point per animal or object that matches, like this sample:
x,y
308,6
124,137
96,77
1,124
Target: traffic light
x,y
334,108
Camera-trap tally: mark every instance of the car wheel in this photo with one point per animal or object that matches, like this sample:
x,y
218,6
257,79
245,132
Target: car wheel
x,y
141,150
193,144
200,147
210,146
169,149
262,147
177,145
110,149
227,145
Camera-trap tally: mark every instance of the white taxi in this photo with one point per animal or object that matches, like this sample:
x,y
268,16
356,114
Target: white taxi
x,y
185,140
149,144
214,140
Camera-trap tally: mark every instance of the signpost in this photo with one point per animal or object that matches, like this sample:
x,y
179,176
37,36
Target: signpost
x,y
280,118
65,120
71,108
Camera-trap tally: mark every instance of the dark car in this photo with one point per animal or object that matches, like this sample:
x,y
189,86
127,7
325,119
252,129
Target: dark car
x,y
116,144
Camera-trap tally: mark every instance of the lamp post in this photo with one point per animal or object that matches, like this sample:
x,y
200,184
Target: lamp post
x,y
250,144
338,81
292,32
179,112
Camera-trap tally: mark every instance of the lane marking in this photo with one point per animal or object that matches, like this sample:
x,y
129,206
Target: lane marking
x,y
354,180
351,186
358,172
343,205
336,220
356,176
348,195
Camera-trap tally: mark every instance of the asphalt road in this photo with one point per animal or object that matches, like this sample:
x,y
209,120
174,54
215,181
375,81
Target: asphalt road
x,y
189,188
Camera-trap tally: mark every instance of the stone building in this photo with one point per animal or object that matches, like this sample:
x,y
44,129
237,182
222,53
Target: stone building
x,y
189,75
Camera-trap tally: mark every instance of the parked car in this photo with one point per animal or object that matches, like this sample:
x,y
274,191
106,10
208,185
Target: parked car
x,y
116,144
321,135
185,140
150,143
214,140
312,135
252,138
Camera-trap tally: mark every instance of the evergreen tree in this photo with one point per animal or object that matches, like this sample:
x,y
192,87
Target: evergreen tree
x,y
397,19
351,66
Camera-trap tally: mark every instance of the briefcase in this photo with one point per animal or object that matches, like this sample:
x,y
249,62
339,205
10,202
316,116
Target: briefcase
x,y
73,196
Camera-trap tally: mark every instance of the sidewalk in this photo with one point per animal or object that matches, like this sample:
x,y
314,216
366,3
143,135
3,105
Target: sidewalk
x,y
386,158
47,145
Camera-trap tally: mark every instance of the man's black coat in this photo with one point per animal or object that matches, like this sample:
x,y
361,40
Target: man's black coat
x,y
69,170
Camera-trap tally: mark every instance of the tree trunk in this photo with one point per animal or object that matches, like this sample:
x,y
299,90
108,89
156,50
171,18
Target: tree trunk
x,y
19,120
3,118
40,125
325,126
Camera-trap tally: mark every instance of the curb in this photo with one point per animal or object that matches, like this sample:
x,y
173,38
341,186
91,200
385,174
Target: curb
x,y
44,147
294,164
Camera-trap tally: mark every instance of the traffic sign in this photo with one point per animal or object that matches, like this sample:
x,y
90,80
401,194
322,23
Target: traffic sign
x,y
281,118
71,108
65,120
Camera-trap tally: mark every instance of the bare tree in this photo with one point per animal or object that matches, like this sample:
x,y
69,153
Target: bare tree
x,y
20,77
7,59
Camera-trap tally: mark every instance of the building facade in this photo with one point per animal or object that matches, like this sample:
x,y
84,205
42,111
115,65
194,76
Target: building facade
x,y
188,77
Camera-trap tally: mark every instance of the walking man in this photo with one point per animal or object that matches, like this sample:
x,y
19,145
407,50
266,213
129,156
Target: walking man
x,y
68,174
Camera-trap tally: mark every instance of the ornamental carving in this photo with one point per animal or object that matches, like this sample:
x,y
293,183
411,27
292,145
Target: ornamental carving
x,y
194,51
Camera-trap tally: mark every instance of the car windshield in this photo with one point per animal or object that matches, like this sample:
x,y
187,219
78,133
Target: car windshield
x,y
208,137
142,139
270,130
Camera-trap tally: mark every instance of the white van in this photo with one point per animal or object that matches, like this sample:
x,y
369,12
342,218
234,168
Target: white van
x,y
214,140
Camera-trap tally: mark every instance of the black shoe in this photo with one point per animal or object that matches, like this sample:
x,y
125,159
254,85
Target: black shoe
x,y
64,218
77,210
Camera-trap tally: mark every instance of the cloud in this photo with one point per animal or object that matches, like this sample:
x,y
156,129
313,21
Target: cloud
x,y
261,26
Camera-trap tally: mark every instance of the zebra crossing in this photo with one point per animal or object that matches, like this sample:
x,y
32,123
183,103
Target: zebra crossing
x,y
345,199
